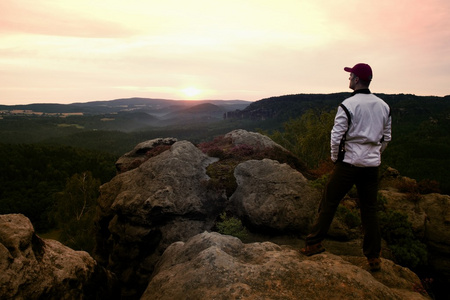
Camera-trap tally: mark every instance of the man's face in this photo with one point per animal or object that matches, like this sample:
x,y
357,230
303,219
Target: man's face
x,y
353,80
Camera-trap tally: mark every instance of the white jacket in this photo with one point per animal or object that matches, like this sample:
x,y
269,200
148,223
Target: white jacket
x,y
369,131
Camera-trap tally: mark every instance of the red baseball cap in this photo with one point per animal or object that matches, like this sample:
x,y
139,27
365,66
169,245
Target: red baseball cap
x,y
363,71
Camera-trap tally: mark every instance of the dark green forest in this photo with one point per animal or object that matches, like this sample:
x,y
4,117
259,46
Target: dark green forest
x,y
31,175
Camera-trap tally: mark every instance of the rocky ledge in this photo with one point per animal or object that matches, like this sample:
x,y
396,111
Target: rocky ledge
x,y
214,266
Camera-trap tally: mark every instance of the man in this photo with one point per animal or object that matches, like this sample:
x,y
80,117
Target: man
x,y
361,131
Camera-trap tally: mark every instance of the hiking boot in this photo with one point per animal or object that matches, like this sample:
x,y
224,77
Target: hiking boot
x,y
374,264
312,249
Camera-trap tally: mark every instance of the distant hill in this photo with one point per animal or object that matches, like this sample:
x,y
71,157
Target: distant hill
x,y
205,108
205,112
131,113
152,106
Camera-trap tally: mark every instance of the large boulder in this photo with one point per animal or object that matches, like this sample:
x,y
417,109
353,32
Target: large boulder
x,y
253,139
274,197
33,268
141,152
144,210
213,266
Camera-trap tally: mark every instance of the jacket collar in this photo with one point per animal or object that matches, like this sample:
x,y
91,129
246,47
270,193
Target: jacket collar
x,y
361,91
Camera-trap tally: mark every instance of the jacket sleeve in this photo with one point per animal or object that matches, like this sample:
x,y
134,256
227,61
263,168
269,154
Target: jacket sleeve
x,y
338,131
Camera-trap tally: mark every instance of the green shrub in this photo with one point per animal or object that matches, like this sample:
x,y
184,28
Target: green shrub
x,y
410,253
221,175
231,226
308,136
397,231
321,182
350,217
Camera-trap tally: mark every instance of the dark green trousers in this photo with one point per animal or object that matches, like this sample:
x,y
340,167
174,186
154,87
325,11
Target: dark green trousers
x,y
342,179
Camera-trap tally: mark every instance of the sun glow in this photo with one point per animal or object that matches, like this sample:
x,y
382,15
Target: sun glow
x,y
191,92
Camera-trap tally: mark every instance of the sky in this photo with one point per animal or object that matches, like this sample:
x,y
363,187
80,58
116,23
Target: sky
x,y
66,51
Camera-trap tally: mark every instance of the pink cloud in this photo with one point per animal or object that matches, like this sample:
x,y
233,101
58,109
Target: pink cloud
x,y
17,17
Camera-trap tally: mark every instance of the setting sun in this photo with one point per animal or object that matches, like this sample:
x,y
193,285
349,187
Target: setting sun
x,y
191,91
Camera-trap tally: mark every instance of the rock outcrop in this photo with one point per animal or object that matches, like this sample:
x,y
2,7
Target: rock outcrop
x,y
144,210
33,268
167,199
213,266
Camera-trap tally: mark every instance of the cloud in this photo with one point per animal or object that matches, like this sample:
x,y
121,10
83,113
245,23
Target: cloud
x,y
43,18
